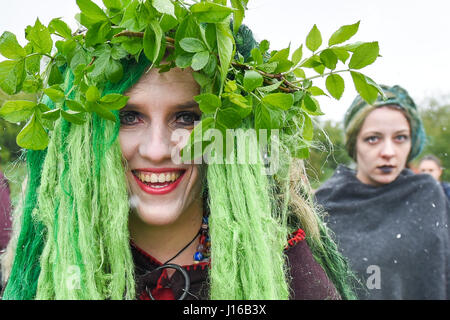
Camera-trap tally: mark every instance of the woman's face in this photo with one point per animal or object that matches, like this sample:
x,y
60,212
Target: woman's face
x,y
162,192
430,167
382,146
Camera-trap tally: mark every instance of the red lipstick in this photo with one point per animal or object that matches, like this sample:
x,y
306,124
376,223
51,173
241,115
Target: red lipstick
x,y
148,188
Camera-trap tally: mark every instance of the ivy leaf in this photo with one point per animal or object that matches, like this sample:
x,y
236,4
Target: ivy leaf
x,y
252,80
335,85
208,102
17,110
199,60
210,12
10,48
91,10
343,34
367,91
192,45
314,39
12,76
329,59
114,101
40,38
364,55
280,100
61,27
33,136
164,6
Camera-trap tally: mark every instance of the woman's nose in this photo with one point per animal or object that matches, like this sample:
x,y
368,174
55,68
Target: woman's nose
x,y
388,149
155,144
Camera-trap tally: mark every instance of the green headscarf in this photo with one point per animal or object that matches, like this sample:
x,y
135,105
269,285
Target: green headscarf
x,y
394,96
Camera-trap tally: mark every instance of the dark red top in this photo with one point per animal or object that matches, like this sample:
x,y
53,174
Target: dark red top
x,y
5,212
308,280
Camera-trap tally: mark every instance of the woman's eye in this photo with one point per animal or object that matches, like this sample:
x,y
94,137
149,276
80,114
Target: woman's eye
x,y
401,138
371,139
128,117
187,118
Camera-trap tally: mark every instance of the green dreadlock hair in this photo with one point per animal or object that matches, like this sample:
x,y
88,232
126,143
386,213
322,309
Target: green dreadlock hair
x,y
75,220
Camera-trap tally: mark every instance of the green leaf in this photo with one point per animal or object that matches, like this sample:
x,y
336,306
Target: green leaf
x,y
225,45
113,4
367,91
55,93
329,58
252,80
98,33
239,14
33,136
51,115
268,67
55,76
91,10
61,28
264,46
192,45
280,55
210,12
40,38
153,37
280,100
297,55
114,71
341,54
92,94
343,34
228,117
208,102
312,62
164,6
335,85
102,111
299,73
10,48
257,56
17,110
364,55
314,39
12,76
75,106
267,117
73,117
316,91
271,87
309,103
183,60
199,60
114,101
308,128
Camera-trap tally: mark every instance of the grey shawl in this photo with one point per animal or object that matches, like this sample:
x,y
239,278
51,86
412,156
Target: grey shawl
x,y
396,236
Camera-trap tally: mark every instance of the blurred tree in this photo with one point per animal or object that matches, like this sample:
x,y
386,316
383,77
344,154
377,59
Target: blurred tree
x,y
436,119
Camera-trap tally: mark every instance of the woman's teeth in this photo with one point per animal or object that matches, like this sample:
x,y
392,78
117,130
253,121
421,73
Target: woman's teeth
x,y
158,177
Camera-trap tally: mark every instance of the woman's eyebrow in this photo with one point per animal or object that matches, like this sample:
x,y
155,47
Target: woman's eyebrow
x,y
187,105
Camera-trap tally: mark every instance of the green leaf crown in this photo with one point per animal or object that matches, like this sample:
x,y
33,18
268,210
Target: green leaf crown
x,y
241,81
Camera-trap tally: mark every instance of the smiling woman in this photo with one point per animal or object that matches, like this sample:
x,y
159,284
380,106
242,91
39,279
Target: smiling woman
x,y
389,222
109,214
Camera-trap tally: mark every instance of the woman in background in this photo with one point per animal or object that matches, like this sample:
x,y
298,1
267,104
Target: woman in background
x,y
433,166
390,223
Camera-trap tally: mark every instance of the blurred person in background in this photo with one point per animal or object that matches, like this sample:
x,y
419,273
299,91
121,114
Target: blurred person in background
x,y
389,222
433,166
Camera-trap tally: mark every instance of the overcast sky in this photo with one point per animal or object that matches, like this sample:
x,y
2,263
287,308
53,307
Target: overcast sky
x,y
414,36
